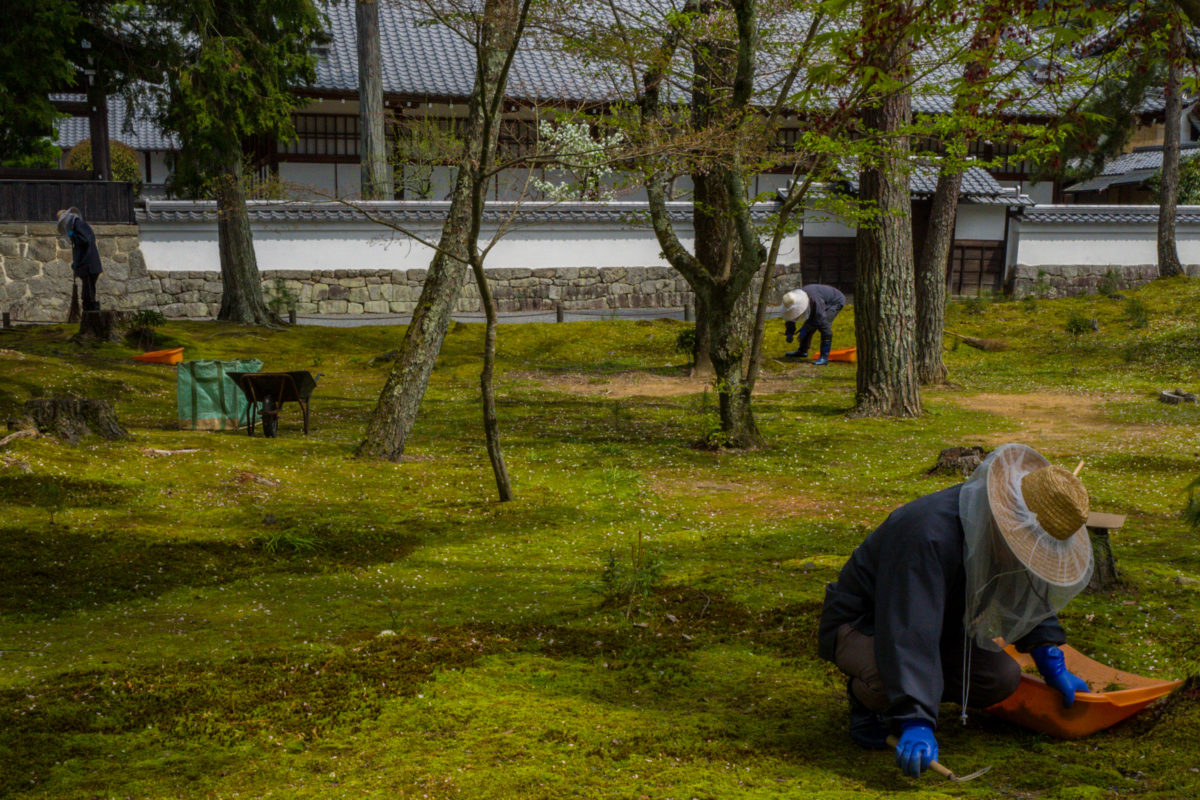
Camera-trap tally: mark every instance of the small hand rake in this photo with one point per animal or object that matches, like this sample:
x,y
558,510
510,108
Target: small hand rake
x,y
943,771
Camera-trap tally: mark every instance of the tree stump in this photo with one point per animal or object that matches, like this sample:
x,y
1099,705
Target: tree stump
x,y
102,326
71,418
1104,574
958,461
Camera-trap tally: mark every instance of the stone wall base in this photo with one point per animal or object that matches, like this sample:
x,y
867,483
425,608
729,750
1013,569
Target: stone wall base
x,y
193,295
1070,280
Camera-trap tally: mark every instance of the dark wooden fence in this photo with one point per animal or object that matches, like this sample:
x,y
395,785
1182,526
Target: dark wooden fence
x,y
974,268
100,202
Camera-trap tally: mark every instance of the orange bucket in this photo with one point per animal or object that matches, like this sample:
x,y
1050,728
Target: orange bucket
x,y
849,354
173,356
1115,696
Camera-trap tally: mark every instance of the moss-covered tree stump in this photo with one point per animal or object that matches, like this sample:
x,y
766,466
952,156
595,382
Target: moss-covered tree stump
x,y
72,418
103,326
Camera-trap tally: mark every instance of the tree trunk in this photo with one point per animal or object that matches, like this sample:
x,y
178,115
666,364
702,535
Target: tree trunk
x,y
1168,253
491,426
241,286
702,366
728,331
931,279
376,178
98,131
396,411
884,289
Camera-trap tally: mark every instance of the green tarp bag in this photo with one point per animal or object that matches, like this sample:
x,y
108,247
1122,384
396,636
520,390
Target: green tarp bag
x,y
208,398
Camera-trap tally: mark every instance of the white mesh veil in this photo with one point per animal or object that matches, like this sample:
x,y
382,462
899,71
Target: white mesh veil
x,y
1016,574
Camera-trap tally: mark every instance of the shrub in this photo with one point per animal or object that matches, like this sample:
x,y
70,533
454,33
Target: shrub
x,y
282,299
976,306
1078,324
141,327
1137,313
124,162
685,342
1109,283
626,584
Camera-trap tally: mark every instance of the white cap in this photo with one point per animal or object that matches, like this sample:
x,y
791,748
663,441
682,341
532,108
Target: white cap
x,y
795,305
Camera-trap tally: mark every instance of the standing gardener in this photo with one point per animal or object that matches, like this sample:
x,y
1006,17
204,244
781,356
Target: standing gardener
x,y
913,616
85,261
817,305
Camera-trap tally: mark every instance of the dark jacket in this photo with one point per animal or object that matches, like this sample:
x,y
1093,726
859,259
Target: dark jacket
x,y
906,586
824,303
86,258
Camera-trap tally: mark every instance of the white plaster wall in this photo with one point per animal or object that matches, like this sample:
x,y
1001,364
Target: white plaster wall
x,y
980,222
336,244
819,224
1099,244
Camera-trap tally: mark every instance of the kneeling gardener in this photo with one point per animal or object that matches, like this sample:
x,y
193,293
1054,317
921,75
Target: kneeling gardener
x,y
914,613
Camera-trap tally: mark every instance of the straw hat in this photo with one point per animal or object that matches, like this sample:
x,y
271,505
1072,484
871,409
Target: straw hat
x,y
1040,511
63,216
795,305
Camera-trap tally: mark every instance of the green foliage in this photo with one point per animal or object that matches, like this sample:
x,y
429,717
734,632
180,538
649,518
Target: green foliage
x,y
421,144
1137,313
39,154
52,496
1191,511
1110,283
35,61
142,327
1189,181
1077,324
1041,286
282,299
976,305
147,318
124,161
685,342
296,538
233,77
627,583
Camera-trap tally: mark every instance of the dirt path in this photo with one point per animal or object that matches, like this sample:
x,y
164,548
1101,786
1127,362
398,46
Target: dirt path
x,y
1043,416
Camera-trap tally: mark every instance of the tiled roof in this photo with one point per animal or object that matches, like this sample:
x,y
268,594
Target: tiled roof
x,y
432,60
978,186
134,130
1131,168
413,212
1093,215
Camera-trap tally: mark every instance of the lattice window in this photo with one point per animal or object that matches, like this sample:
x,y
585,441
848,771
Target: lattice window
x,y
327,136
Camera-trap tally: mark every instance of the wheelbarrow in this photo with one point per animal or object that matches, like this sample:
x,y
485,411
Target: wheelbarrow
x,y
266,393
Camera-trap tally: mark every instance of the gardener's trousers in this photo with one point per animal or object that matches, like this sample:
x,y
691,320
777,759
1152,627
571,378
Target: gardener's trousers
x,y
994,674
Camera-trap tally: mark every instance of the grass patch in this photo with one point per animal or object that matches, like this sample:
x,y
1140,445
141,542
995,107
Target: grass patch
x,y
274,617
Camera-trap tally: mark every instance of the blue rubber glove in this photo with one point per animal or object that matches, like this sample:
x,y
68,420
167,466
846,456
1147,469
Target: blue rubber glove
x,y
916,749
1053,666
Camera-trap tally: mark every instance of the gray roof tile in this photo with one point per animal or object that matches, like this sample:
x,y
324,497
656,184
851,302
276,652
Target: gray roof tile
x,y
1093,215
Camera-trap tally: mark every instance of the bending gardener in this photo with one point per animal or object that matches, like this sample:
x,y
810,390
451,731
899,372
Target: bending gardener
x,y
85,260
817,305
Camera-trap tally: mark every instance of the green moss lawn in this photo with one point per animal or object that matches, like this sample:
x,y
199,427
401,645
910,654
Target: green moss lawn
x,y
275,618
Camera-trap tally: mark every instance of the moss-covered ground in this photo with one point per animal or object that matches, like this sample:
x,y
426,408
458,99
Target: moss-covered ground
x,y
211,623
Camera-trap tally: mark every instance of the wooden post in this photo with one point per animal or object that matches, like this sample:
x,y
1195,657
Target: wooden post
x,y
1099,525
687,311
7,320
291,316
558,312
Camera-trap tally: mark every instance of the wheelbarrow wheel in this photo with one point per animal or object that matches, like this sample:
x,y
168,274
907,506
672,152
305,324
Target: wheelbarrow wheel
x,y
270,417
